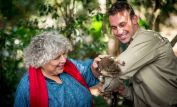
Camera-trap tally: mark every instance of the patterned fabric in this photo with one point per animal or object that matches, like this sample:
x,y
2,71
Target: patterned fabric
x,y
68,94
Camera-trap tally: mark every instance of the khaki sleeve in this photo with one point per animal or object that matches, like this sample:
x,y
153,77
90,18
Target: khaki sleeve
x,y
137,56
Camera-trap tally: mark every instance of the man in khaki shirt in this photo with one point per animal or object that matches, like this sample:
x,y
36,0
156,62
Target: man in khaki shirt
x,y
150,62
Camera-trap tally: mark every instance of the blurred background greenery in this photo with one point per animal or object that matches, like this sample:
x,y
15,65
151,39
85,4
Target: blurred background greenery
x,y
83,22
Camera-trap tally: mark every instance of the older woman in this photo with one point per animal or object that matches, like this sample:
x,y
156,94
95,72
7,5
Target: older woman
x,y
52,79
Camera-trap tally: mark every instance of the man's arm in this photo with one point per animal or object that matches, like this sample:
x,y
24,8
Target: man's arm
x,y
139,55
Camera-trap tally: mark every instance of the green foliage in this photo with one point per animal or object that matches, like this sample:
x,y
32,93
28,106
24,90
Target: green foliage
x,y
155,11
96,26
100,102
13,40
88,50
16,33
143,23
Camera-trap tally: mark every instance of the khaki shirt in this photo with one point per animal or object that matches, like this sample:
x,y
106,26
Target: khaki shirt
x,y
152,66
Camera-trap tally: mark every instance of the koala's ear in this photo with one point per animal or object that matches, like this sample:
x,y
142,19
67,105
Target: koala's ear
x,y
116,60
122,63
119,62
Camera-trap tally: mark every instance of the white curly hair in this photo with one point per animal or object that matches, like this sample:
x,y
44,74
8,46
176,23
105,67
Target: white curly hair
x,y
45,47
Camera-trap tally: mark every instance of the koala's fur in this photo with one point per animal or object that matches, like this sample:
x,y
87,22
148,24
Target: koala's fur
x,y
110,71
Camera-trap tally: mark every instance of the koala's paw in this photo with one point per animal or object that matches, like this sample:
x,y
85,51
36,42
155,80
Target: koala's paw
x,y
111,84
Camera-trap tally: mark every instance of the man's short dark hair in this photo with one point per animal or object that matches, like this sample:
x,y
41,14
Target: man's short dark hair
x,y
120,6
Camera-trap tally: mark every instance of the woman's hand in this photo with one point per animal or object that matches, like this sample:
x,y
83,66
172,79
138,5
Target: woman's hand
x,y
94,66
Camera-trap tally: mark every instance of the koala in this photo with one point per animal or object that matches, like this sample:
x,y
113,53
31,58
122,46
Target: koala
x,y
110,71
